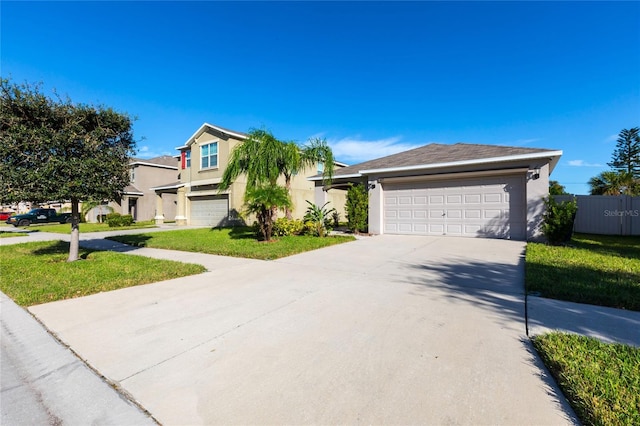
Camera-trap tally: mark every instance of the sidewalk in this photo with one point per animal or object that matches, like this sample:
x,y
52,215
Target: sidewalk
x,y
607,324
43,382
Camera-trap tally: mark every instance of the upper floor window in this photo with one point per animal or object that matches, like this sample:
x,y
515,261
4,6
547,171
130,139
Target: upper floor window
x,y
209,155
132,174
320,167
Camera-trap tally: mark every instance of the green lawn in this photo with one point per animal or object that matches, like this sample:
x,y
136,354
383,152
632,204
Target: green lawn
x,y
594,269
34,273
9,234
236,242
601,381
65,228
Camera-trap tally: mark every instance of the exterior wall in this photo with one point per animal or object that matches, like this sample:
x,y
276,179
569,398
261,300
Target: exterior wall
x,y
537,189
146,177
376,197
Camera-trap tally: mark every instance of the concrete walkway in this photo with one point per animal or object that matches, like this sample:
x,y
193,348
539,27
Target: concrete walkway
x,y
383,330
607,324
43,382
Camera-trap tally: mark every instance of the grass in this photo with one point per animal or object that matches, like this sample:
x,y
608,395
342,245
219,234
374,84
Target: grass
x,y
600,380
34,273
236,242
9,234
595,269
65,228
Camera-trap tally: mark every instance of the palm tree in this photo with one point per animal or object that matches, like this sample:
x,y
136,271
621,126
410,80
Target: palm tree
x,y
294,159
257,157
613,183
263,159
263,201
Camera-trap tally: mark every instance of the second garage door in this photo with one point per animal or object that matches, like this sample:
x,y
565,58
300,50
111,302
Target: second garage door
x,y
210,210
491,207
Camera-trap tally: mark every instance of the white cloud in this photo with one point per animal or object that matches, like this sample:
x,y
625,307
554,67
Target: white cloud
x,y
611,138
353,150
145,153
582,163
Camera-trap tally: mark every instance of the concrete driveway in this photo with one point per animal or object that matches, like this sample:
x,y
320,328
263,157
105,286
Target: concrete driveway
x,y
383,330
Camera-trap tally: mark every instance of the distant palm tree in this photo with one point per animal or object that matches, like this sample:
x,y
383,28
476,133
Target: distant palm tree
x,y
614,183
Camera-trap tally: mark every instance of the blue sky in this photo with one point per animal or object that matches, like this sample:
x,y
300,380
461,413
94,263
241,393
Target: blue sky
x,y
373,78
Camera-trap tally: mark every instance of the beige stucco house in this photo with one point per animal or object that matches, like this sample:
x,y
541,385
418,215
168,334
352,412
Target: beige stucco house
x,y
202,161
138,199
462,189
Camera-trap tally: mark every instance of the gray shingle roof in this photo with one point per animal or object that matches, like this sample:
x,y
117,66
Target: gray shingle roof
x,y
436,153
163,160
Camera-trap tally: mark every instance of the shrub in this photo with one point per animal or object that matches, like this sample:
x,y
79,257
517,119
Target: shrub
x,y
309,228
115,220
336,218
558,220
357,208
284,227
320,217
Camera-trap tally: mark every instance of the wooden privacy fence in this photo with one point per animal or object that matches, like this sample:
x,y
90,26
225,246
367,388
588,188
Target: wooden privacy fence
x,y
606,214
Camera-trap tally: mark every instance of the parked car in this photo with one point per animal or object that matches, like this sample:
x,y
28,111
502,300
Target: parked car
x,y
4,216
39,216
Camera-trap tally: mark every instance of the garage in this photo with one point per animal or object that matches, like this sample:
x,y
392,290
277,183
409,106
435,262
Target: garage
x,y
210,210
490,207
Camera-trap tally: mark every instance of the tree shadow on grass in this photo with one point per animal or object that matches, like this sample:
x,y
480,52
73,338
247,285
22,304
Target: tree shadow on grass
x,y
61,248
133,240
239,232
624,246
582,284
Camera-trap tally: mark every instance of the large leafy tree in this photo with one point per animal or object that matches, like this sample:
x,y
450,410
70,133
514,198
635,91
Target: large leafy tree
x,y
626,157
54,149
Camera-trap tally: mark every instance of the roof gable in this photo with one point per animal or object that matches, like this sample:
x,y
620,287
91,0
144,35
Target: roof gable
x,y
434,155
216,129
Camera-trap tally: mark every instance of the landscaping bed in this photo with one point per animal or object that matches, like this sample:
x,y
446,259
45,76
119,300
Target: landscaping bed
x,y
594,269
34,273
236,242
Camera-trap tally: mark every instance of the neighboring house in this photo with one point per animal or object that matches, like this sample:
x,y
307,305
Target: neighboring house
x,y
138,199
203,159
462,189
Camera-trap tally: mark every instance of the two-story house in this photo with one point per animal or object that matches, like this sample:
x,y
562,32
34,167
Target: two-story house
x,y
138,199
202,161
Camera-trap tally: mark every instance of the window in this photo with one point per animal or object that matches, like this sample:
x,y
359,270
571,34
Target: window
x,y
132,175
320,167
209,155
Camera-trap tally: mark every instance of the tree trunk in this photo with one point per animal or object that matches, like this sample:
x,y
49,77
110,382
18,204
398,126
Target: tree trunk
x,y
287,184
74,246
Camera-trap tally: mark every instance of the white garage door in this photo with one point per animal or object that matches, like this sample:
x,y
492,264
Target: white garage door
x,y
209,211
491,207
